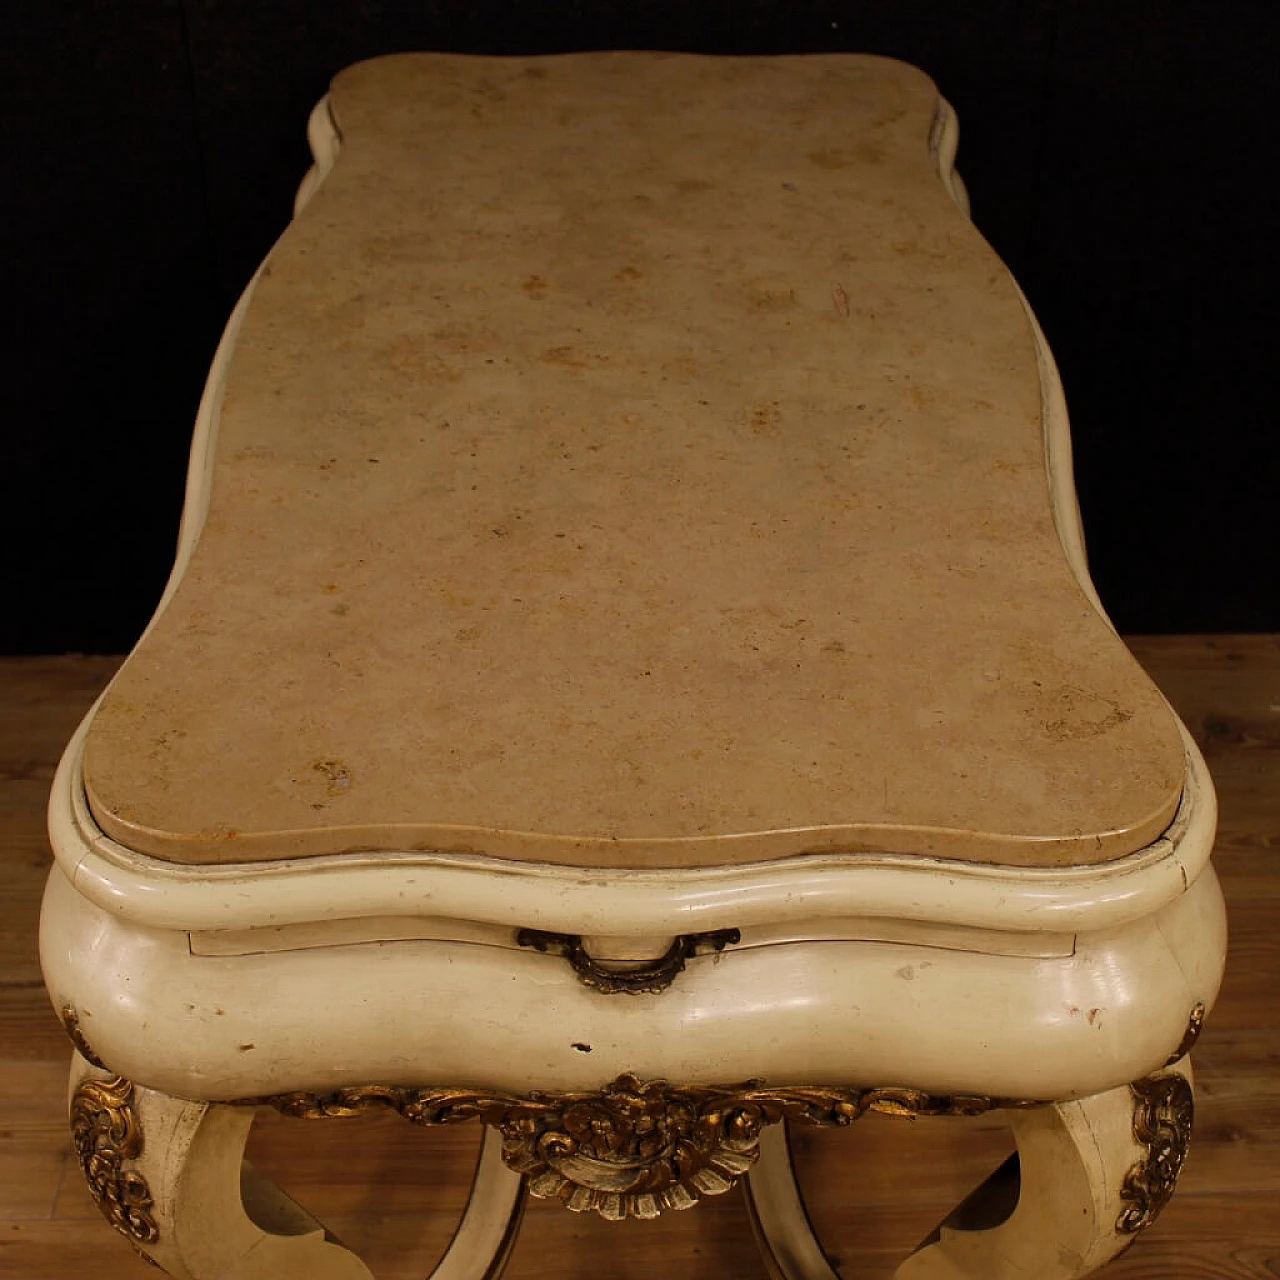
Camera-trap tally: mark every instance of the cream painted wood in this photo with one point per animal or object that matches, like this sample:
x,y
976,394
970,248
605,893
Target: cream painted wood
x,y
192,1160
834,1012
218,1218
1073,1159
325,143
491,1221
788,1246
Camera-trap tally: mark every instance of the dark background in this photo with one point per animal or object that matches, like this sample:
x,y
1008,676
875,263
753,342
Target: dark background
x,y
1119,156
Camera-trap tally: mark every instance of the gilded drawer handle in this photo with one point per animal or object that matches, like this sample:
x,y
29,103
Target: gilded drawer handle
x,y
655,976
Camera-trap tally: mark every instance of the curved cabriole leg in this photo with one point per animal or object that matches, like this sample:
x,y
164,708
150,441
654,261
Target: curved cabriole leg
x,y
1089,1175
170,1176
783,1232
491,1221
1093,1173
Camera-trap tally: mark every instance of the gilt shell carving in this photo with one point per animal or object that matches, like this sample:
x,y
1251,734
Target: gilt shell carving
x,y
635,1147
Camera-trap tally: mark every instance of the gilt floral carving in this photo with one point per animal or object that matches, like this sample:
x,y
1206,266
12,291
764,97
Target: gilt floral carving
x,y
105,1133
635,1147
1164,1111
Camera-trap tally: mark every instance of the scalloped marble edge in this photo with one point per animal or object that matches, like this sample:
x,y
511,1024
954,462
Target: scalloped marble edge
x,y
987,896
152,891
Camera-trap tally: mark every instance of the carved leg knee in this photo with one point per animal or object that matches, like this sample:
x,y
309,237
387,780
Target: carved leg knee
x,y
170,1176
1093,1173
1088,1176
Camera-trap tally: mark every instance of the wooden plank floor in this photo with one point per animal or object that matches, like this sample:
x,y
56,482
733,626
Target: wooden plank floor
x,y
392,1192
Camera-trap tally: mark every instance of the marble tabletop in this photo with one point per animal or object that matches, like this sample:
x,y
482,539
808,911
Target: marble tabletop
x,y
633,460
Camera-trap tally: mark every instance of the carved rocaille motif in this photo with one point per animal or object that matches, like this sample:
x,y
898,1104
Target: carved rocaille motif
x,y
1195,1025
635,1147
1163,1117
105,1133
1162,1120
631,1149
71,1025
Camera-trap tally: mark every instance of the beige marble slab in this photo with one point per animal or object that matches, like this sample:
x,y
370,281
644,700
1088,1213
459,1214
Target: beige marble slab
x,y
633,460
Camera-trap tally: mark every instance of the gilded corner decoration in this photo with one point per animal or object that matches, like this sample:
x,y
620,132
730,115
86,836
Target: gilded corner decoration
x,y
1163,1118
635,1147
1195,1025
105,1133
1164,1110
71,1025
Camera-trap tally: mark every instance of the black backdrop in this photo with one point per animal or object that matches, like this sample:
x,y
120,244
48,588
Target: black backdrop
x,y
1118,156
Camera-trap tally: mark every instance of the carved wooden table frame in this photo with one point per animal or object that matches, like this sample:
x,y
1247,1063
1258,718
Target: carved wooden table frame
x,y
631,1149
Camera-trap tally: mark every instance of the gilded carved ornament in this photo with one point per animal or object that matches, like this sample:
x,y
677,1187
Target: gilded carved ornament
x,y
1163,1117
105,1133
629,1150
635,1147
71,1025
